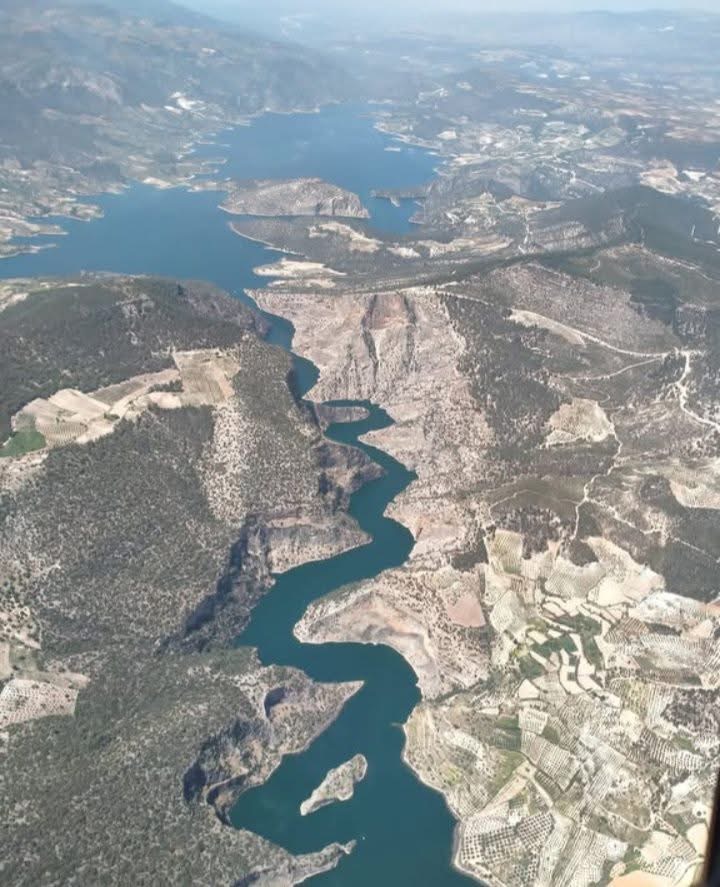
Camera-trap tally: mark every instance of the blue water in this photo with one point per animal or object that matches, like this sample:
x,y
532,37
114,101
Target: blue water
x,y
180,233
403,829
339,145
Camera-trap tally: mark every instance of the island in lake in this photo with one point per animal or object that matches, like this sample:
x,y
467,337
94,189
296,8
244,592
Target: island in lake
x,y
292,197
338,785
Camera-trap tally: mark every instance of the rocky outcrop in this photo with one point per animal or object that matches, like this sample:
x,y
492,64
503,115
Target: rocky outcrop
x,y
292,197
296,869
329,413
338,785
247,751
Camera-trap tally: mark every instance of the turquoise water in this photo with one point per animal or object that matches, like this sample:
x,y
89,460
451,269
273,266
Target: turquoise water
x,y
403,829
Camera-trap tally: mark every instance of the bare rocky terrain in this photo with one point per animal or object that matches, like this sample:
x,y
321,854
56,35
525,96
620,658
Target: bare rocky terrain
x,y
338,785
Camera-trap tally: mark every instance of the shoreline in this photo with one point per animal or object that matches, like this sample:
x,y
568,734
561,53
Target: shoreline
x,y
204,139
453,862
207,167
438,857
275,249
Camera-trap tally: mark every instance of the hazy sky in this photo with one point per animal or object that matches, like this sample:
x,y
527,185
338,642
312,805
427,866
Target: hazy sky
x,y
336,8
315,21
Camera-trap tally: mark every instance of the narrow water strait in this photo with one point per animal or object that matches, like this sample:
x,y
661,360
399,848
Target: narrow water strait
x,y
402,828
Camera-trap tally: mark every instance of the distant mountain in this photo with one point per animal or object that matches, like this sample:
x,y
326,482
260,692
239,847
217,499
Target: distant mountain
x,y
95,93
95,58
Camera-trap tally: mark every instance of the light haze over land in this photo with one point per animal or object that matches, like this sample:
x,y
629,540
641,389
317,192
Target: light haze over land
x,y
410,12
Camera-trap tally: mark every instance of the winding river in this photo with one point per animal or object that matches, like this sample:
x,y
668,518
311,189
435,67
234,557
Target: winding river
x,y
403,829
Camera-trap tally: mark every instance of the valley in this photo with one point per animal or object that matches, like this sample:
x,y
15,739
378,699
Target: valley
x,y
389,553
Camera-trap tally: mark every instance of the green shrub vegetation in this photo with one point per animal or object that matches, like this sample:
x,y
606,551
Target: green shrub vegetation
x,y
554,645
530,668
22,442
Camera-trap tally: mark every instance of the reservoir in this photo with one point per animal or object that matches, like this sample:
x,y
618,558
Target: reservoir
x,y
403,829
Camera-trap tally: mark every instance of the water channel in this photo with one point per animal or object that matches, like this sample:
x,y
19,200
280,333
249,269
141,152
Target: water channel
x,y
403,829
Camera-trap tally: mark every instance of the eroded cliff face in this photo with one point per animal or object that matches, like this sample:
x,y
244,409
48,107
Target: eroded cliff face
x,y
288,711
405,358
555,438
